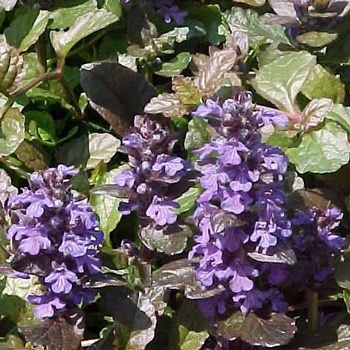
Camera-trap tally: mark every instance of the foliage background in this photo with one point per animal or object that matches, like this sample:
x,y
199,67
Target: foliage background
x,y
61,102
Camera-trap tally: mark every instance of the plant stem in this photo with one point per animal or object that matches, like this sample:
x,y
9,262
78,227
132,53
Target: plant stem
x,y
71,97
46,76
312,297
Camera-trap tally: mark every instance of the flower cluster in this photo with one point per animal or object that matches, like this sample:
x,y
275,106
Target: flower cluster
x,y
315,245
165,8
247,242
153,173
55,238
311,15
240,214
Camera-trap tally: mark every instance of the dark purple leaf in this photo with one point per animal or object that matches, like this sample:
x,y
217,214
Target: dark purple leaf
x,y
222,221
116,92
117,302
278,330
56,334
284,256
180,275
103,280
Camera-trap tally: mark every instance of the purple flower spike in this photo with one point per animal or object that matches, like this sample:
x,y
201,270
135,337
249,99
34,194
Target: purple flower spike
x,y
57,235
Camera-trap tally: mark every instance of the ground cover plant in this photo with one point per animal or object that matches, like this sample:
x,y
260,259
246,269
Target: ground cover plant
x,y
174,174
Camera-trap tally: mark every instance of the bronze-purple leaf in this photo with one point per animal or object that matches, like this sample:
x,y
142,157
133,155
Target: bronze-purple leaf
x,y
116,92
55,334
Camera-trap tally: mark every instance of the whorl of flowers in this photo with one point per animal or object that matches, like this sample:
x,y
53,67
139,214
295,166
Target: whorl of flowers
x,y
165,8
55,238
152,174
241,210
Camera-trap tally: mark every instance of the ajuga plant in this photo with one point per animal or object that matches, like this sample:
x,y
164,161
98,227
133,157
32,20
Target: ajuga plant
x,y
250,242
154,173
54,237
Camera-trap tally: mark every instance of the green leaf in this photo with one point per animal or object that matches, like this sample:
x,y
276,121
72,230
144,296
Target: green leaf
x,y
186,91
64,17
280,81
208,17
187,200
102,147
321,151
41,126
113,6
341,115
197,135
342,275
176,65
278,330
11,131
257,28
105,206
63,41
20,27
346,297
317,39
36,30
189,327
33,156
322,84
163,242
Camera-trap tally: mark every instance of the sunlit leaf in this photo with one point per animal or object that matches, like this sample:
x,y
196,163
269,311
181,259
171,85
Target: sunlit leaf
x,y
258,30
167,104
317,39
321,151
63,41
64,17
105,206
8,5
315,112
36,30
11,131
212,73
102,147
280,81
